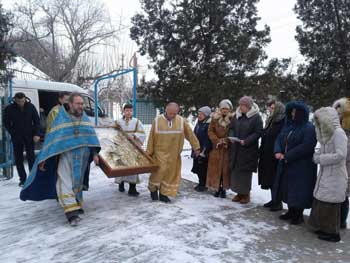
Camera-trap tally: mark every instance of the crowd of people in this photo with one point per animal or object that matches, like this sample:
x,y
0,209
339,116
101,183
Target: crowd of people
x,y
291,151
287,159
226,153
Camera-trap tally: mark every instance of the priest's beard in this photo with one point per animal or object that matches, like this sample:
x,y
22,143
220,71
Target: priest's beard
x,y
76,113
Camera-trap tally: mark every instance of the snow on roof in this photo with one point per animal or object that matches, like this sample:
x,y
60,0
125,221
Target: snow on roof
x,y
47,85
25,70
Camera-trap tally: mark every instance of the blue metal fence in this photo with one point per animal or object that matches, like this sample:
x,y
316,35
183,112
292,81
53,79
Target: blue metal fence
x,y
6,153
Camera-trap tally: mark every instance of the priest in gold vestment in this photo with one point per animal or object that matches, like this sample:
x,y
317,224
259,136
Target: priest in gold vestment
x,y
165,145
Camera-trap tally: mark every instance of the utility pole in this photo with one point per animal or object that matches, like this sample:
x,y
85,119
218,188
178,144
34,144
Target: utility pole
x,y
121,88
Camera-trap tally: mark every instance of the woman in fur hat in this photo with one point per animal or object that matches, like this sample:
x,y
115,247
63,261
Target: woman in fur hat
x,y
343,108
218,176
330,188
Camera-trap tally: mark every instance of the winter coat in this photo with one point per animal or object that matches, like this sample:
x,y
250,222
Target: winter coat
x,y
332,178
247,127
348,162
201,132
22,124
219,155
267,162
296,174
344,112
344,106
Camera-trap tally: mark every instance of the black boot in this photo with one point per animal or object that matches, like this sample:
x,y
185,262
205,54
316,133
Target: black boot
x,y
154,196
343,225
287,215
268,204
22,181
344,211
329,237
319,232
73,218
132,190
164,198
217,193
297,216
81,211
276,207
121,187
202,188
223,193
203,179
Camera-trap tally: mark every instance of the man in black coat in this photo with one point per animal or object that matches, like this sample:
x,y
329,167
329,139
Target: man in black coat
x,y
22,121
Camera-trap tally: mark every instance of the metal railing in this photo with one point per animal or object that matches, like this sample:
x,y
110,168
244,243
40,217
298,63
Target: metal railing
x,y
6,152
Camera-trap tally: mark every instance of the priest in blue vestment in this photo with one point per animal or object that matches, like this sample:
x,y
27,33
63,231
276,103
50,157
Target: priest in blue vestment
x,y
61,169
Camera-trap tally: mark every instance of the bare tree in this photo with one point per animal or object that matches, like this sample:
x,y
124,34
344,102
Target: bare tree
x,y
54,34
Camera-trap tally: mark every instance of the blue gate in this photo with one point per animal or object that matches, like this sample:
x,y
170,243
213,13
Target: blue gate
x,y
6,156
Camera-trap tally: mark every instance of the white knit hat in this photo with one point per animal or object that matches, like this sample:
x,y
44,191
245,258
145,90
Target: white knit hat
x,y
205,110
226,103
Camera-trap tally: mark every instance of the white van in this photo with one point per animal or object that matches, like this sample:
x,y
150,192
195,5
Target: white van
x,y
44,95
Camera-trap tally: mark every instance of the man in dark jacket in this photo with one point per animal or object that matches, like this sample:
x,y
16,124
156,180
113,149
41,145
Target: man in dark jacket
x,y
200,163
22,121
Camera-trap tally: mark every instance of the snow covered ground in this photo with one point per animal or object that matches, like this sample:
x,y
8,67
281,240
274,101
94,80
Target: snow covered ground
x,y
195,227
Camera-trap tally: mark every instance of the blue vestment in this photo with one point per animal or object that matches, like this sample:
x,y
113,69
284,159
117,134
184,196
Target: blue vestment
x,y
65,135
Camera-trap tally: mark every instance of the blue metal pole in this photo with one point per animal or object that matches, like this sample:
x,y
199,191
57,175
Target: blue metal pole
x,y
11,157
125,71
9,98
134,92
96,102
8,152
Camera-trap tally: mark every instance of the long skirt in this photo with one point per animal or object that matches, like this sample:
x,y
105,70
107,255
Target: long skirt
x,y
325,216
241,182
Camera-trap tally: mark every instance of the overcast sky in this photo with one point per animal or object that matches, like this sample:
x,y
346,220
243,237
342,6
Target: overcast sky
x,y
278,14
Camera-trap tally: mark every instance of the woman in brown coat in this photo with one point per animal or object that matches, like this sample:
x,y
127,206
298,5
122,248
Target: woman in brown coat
x,y
218,177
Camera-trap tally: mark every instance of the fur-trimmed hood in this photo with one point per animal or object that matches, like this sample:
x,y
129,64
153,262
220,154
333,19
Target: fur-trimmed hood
x,y
253,111
326,122
344,113
303,110
222,121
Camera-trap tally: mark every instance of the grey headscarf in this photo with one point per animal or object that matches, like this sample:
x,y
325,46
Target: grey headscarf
x,y
278,113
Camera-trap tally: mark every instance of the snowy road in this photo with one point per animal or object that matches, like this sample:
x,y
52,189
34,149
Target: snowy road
x,y
117,228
